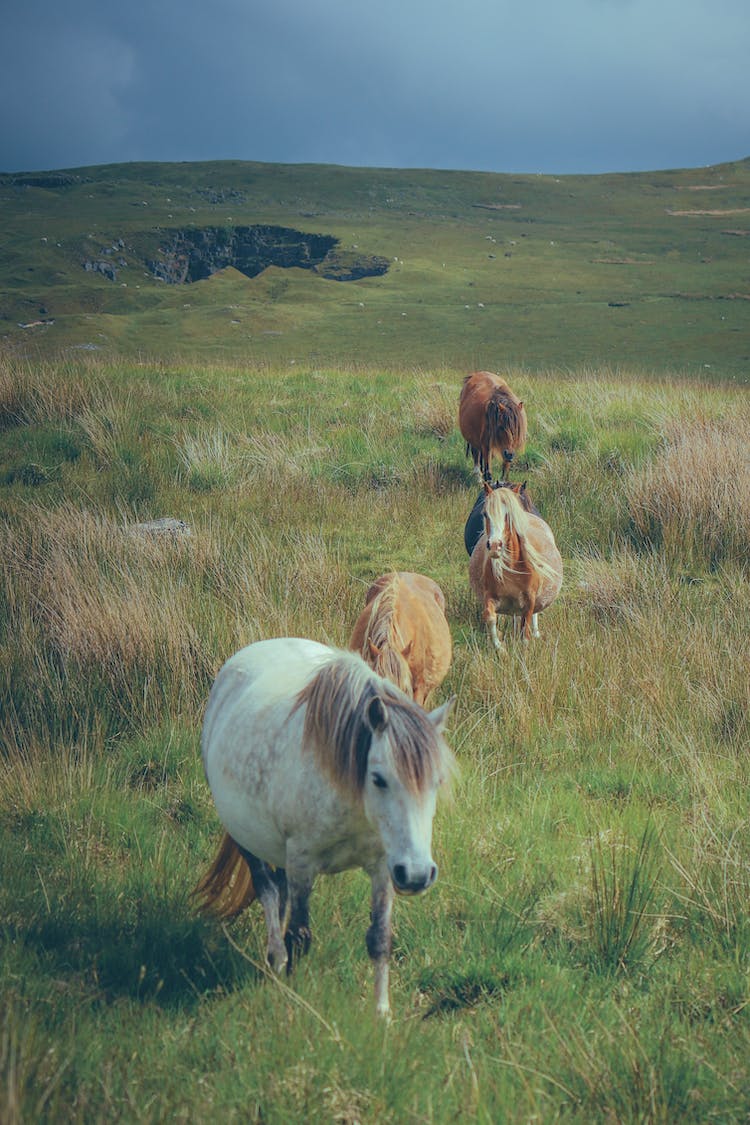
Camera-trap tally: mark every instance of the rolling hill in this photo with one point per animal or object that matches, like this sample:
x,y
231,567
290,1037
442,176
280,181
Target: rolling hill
x,y
324,265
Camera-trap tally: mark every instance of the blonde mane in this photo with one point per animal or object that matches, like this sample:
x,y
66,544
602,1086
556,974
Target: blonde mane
x,y
337,729
382,642
502,503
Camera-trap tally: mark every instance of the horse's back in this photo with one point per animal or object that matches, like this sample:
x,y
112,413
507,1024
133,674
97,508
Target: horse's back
x,y
476,391
424,626
268,670
251,745
418,612
423,587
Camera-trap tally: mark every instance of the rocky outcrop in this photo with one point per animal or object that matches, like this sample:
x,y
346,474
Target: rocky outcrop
x,y
181,256
194,254
50,180
350,265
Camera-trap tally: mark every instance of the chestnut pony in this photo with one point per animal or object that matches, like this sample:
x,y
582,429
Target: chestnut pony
x,y
492,421
515,567
474,527
402,632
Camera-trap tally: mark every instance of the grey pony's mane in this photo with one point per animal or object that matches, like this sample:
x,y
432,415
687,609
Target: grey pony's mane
x,y
337,729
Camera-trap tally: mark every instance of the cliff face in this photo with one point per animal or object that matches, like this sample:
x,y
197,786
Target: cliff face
x,y
194,254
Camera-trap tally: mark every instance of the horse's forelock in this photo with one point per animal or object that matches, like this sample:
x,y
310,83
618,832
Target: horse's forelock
x,y
505,502
507,414
337,728
420,755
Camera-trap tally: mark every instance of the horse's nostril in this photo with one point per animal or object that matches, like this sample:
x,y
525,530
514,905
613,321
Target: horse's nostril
x,y
432,875
399,875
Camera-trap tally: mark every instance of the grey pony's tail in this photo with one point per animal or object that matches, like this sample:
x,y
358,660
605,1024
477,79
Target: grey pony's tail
x,y
226,888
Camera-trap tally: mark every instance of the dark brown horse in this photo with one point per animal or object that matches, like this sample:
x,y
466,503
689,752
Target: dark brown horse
x,y
492,421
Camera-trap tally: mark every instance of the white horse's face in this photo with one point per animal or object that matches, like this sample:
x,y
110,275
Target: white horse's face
x,y
403,819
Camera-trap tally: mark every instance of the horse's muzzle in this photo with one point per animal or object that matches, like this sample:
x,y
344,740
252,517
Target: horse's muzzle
x,y
413,883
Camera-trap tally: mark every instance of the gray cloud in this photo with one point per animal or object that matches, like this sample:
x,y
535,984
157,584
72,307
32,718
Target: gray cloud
x,y
583,86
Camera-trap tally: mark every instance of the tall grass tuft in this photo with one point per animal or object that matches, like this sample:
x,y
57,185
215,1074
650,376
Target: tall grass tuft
x,y
623,883
693,499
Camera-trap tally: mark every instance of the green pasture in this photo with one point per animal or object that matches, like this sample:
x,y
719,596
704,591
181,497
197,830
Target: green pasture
x,y
640,272
584,955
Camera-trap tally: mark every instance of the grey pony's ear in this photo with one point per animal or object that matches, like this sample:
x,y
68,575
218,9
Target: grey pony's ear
x,y
377,714
439,716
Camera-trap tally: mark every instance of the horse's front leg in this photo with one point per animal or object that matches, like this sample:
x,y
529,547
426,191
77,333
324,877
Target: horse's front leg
x,y
535,626
490,619
379,935
298,936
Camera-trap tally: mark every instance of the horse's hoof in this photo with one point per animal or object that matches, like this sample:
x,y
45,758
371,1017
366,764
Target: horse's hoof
x,y
297,943
278,960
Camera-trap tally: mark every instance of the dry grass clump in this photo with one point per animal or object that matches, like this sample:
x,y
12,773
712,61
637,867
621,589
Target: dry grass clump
x,y
96,602
625,587
715,883
694,497
40,393
435,411
219,458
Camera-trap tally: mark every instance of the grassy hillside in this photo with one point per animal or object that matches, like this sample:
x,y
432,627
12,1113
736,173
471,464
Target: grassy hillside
x,y
584,956
646,272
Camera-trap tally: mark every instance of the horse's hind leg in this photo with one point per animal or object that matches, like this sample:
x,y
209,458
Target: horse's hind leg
x,y
268,884
478,459
379,936
535,625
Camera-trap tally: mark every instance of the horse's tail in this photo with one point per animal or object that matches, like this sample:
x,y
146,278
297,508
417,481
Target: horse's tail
x,y
227,887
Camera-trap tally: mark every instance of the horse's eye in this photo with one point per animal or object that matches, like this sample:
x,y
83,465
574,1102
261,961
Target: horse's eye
x,y
379,781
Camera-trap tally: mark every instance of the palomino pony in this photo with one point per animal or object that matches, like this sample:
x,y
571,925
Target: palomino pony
x,y
317,765
475,523
515,568
402,633
492,421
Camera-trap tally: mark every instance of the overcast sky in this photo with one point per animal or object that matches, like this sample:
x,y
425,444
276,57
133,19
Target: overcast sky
x,y
496,85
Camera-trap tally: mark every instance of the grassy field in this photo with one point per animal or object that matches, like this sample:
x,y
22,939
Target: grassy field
x,y
585,954
641,272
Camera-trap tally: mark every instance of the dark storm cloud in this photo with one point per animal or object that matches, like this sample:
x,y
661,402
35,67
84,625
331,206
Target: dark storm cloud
x,y
589,85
